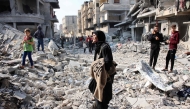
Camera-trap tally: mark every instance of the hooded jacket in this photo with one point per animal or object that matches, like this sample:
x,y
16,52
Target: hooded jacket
x,y
39,34
174,40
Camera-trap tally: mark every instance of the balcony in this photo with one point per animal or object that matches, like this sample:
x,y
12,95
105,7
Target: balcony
x,y
90,16
90,11
85,8
90,5
167,13
85,26
170,12
30,18
90,26
54,19
84,13
113,7
54,3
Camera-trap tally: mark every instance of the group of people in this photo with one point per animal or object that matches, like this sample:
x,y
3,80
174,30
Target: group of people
x,y
88,43
103,51
155,38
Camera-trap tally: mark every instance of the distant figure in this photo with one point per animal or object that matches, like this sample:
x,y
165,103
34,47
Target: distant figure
x,y
173,41
84,46
92,43
155,38
62,38
39,35
28,48
89,41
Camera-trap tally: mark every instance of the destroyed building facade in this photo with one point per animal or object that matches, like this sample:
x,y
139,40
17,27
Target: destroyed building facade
x,y
102,15
22,14
144,14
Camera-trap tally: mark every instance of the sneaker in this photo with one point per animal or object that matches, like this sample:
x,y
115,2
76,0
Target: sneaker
x,y
165,69
21,67
170,71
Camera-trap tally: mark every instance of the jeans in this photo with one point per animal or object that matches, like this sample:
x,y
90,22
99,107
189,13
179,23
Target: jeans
x,y
153,57
40,43
170,56
84,50
62,43
29,53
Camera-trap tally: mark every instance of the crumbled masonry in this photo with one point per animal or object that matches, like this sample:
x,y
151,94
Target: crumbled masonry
x,y
60,78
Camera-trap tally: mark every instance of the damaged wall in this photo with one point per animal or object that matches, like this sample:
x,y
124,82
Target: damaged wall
x,y
103,1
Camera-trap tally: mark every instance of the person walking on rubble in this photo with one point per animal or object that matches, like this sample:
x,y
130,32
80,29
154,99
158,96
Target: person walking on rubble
x,y
155,38
173,41
62,38
103,91
84,46
89,41
28,48
39,35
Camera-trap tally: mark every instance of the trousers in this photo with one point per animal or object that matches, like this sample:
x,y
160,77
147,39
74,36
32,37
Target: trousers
x,y
29,53
170,56
153,57
40,43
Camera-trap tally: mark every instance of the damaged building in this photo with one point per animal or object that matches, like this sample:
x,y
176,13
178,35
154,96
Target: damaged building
x,y
102,15
22,14
144,14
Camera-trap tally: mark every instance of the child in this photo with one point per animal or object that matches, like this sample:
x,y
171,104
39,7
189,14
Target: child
x,y
28,48
84,46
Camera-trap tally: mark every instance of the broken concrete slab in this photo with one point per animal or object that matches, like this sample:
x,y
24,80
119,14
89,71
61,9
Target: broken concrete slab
x,y
150,75
19,95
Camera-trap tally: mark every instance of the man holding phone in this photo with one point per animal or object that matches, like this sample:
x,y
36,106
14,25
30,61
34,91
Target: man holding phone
x,y
155,38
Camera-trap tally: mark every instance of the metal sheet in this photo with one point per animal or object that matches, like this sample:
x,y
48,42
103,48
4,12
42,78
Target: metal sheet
x,y
153,77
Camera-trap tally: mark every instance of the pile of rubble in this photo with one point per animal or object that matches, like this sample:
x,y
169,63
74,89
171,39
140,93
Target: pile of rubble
x,y
61,76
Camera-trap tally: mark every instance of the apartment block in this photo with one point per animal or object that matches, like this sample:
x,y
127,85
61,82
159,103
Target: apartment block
x,y
23,14
69,24
102,15
111,13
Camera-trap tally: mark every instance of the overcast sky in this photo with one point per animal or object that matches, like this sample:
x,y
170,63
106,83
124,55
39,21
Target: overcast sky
x,y
68,7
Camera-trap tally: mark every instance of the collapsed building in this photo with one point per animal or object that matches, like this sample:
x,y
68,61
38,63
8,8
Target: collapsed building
x,y
22,14
144,14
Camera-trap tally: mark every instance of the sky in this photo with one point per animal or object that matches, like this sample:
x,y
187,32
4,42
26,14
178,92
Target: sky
x,y
68,7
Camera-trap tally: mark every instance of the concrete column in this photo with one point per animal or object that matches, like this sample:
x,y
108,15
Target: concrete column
x,y
12,6
38,6
14,25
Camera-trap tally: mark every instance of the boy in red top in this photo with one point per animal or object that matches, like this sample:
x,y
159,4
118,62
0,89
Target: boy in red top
x,y
173,41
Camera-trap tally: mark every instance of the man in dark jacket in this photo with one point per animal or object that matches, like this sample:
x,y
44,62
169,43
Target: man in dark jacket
x,y
155,38
62,38
173,41
103,50
39,35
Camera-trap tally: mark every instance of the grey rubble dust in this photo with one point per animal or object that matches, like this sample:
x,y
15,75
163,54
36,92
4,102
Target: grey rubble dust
x,y
61,77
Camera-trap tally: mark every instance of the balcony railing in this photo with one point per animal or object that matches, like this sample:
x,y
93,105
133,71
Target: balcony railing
x,y
33,18
116,7
54,19
90,16
168,12
90,25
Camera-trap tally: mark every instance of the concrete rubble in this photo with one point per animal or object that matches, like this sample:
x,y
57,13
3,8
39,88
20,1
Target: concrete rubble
x,y
60,78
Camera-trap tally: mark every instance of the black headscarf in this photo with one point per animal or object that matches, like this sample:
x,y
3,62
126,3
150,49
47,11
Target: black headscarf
x,y
101,39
